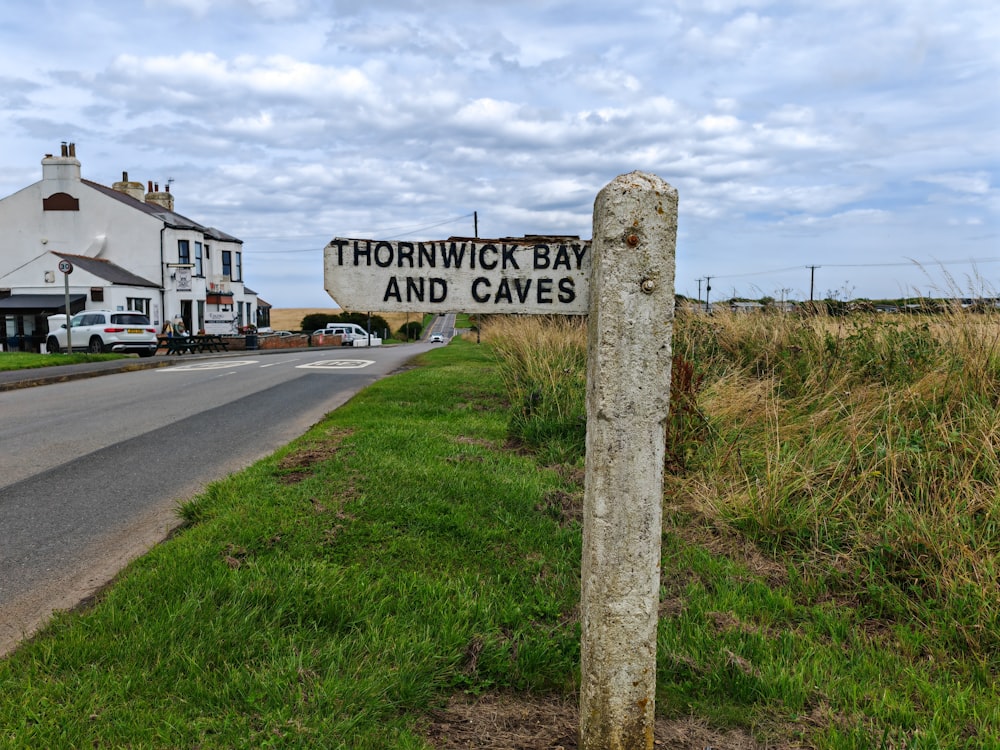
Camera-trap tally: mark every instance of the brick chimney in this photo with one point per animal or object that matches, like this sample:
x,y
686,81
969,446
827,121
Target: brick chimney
x,y
164,199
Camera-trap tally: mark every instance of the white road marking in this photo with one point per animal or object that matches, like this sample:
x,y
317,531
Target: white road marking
x,y
337,364
216,365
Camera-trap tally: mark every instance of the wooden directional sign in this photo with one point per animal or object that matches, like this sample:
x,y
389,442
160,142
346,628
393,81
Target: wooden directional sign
x,y
534,275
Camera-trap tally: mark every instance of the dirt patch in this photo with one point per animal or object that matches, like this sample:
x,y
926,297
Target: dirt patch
x,y
514,722
297,466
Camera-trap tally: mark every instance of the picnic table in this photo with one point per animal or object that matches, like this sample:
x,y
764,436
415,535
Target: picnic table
x,y
204,343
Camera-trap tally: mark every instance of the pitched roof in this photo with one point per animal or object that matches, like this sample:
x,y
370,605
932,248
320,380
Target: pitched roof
x,y
171,218
107,270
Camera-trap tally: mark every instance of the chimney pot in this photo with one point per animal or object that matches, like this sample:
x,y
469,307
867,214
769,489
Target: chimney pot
x,y
72,150
150,187
63,150
124,176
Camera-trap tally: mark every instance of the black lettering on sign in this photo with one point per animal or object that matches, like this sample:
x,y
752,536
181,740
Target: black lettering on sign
x,y
541,257
362,250
509,259
383,255
452,255
543,292
339,244
567,290
488,265
478,293
417,289
426,254
404,253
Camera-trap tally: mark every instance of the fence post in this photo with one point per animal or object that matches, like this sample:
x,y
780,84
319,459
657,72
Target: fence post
x,y
628,396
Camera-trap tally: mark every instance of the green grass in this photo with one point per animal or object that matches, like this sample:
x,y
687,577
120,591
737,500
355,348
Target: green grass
x,y
327,596
398,553
26,361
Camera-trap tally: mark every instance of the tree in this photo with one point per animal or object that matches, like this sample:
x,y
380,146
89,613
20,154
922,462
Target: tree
x,y
312,321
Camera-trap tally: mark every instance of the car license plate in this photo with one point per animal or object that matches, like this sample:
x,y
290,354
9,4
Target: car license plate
x,y
134,330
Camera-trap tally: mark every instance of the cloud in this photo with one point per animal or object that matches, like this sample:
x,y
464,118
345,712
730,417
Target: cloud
x,y
838,124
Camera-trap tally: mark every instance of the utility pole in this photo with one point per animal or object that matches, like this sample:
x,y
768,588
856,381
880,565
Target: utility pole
x,y
812,279
699,291
475,224
708,288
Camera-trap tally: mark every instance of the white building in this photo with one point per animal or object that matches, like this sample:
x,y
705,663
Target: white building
x,y
129,250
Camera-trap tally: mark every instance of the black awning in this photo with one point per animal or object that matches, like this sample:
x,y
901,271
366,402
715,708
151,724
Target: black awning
x,y
40,304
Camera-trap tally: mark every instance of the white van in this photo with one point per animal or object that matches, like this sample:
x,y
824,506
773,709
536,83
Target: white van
x,y
351,334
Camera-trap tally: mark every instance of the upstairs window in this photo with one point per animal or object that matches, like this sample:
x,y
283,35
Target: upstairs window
x,y
227,263
183,251
197,259
238,270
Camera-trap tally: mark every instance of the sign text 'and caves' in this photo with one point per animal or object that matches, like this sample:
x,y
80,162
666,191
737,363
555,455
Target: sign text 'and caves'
x,y
530,275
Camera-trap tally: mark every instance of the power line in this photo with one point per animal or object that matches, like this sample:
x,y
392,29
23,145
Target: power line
x,y
860,265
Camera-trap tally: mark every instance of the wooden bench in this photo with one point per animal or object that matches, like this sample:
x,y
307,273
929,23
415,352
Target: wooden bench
x,y
177,344
181,344
210,343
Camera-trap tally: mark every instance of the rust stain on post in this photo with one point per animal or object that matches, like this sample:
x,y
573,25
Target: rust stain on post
x,y
628,395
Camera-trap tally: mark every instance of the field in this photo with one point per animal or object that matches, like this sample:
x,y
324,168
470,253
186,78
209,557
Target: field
x,y
290,318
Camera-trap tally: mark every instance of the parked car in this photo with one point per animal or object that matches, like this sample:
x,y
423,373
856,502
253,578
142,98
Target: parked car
x,y
348,332
99,331
437,338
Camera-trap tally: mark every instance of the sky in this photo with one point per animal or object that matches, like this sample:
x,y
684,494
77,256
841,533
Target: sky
x,y
848,148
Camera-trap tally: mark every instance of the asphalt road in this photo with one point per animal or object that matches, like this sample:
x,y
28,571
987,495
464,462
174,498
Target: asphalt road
x,y
92,471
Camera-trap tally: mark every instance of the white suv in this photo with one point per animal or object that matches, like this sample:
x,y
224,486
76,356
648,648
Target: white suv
x,y
99,331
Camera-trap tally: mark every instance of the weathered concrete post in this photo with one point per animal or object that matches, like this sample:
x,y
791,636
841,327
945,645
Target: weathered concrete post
x,y
628,395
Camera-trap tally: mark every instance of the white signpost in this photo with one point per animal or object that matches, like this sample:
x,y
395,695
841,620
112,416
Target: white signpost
x,y
624,281
527,275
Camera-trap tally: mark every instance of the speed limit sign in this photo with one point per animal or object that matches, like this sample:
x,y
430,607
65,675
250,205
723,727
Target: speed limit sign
x,y
65,266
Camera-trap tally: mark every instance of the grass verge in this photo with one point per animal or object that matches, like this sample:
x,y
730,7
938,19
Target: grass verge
x,y
28,361
327,596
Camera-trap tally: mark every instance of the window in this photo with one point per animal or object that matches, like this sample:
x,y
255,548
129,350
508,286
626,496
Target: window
x,y
97,294
227,263
183,251
238,275
197,259
138,304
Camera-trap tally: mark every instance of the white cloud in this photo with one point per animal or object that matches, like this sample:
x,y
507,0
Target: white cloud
x,y
977,183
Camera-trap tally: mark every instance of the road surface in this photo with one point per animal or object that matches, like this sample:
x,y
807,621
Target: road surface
x,y
92,471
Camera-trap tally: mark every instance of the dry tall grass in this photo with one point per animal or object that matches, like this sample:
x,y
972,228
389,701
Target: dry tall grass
x,y
863,451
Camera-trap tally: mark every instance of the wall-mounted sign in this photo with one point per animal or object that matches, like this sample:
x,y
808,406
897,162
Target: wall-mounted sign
x,y
536,275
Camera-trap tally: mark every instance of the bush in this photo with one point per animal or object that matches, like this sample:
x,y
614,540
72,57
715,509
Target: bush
x,y
313,321
410,331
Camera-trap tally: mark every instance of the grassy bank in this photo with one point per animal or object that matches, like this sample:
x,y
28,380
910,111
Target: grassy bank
x,y
832,537
830,556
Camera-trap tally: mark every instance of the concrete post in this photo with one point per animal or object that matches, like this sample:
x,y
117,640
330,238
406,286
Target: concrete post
x,y
628,395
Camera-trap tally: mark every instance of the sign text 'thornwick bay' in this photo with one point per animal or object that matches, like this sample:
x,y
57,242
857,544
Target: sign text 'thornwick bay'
x,y
531,275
